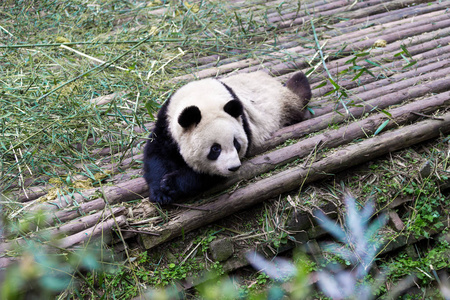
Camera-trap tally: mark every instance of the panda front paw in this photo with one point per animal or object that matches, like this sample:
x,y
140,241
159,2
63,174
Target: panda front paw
x,y
160,197
165,192
167,184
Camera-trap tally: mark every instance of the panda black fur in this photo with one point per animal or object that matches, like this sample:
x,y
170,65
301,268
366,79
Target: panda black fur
x,y
204,130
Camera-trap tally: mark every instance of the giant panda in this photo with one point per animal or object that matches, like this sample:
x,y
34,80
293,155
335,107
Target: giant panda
x,y
207,126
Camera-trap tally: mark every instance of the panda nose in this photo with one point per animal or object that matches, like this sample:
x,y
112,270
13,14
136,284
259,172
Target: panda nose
x,y
234,169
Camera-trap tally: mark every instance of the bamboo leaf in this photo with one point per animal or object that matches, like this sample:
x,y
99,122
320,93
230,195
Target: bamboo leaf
x,y
331,226
336,86
405,58
344,93
362,54
324,83
372,63
352,60
379,129
358,75
369,72
329,93
412,63
309,71
357,68
386,113
405,51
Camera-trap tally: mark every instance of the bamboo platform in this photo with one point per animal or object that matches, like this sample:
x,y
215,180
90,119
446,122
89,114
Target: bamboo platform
x,y
398,50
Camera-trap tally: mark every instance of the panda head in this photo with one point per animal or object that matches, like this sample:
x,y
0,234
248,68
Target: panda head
x,y
210,132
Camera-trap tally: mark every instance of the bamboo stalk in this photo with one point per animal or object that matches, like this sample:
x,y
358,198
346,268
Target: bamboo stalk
x,y
67,229
86,221
267,162
102,230
334,138
376,90
421,15
155,40
323,121
426,62
124,191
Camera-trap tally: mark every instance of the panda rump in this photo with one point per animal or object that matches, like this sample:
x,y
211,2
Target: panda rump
x,y
207,126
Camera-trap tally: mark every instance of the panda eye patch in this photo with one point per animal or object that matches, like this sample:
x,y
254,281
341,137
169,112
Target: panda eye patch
x,y
214,152
237,145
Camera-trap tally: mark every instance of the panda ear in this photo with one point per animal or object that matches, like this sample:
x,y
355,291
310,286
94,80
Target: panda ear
x,y
299,85
189,116
234,108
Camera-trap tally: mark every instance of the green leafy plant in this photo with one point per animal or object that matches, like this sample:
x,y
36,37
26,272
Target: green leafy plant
x,y
406,57
357,247
426,212
357,69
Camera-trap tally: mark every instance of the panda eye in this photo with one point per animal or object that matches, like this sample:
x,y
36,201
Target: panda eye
x,y
214,152
237,145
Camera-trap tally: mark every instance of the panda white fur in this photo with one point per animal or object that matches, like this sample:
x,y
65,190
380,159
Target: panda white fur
x,y
207,126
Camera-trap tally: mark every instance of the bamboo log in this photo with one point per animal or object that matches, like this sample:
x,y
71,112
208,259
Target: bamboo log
x,y
31,193
383,7
322,122
317,7
394,39
138,187
103,230
122,192
398,33
334,138
72,213
380,88
422,15
394,20
125,163
426,62
65,229
350,25
86,221
267,162
422,43
296,177
331,10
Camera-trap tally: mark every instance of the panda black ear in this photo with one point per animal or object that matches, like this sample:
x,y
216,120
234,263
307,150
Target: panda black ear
x,y
189,116
234,108
300,86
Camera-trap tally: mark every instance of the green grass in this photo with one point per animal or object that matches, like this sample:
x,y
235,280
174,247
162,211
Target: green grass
x,y
48,125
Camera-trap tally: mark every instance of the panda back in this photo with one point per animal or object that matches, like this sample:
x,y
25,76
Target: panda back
x,y
264,99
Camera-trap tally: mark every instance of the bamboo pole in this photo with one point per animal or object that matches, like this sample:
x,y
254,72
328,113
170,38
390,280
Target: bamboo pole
x,y
101,230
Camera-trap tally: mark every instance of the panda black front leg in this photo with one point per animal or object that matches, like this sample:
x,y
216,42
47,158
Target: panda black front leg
x,y
168,184
155,168
185,182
